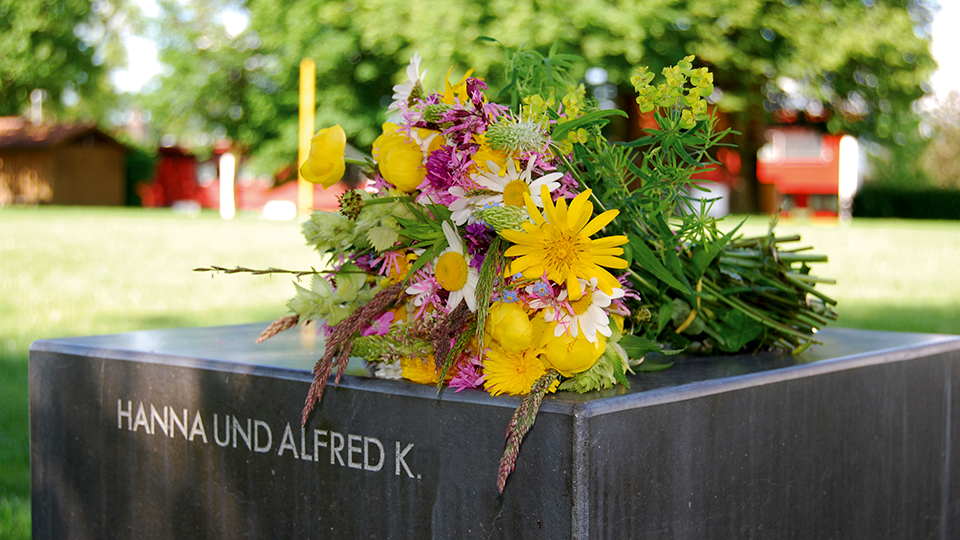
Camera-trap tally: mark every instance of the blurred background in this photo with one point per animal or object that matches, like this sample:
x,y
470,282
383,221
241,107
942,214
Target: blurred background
x,y
129,127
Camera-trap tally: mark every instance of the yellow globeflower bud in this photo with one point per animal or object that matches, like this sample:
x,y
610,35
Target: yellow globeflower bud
x,y
400,158
509,327
325,163
566,354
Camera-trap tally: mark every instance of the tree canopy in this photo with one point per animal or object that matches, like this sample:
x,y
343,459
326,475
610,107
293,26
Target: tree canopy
x,y
63,47
858,64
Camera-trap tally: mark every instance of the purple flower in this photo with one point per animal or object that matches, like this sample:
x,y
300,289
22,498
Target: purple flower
x,y
469,374
380,326
441,167
478,237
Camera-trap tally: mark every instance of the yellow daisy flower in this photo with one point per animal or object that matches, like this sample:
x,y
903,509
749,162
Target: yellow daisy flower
x,y
420,370
559,245
512,372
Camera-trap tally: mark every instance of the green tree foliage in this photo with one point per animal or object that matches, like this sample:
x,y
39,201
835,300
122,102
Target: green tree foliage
x,y
64,47
863,61
941,160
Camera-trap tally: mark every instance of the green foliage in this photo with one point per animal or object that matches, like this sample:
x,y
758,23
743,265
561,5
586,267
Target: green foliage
x,y
41,50
862,60
873,201
712,291
941,158
140,166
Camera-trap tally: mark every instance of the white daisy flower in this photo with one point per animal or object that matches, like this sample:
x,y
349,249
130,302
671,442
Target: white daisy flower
x,y
512,184
463,207
401,92
454,273
589,315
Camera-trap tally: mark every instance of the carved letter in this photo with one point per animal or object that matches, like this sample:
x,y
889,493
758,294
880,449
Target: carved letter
x,y
317,443
288,442
400,461
121,413
303,441
175,422
336,445
142,420
154,416
216,430
366,454
351,450
199,429
257,424
239,433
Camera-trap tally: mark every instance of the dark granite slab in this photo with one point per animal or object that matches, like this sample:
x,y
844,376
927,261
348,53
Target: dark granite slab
x,y
194,433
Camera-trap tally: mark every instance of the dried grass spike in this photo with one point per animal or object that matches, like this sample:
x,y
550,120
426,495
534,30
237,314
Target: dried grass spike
x,y
277,326
520,424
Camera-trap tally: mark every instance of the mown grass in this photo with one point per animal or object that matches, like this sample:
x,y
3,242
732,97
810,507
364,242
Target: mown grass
x,y
72,271
891,274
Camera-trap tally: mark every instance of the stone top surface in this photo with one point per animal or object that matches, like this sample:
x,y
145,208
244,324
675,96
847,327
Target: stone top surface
x,y
292,355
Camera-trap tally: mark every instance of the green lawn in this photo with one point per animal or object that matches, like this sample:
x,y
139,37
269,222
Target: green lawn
x,y
67,271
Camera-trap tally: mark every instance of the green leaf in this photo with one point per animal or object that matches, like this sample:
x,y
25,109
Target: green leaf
x,y
705,254
382,238
664,315
651,367
620,375
737,330
560,130
637,346
649,261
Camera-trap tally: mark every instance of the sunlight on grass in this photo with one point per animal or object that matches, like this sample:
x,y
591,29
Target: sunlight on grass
x,y
78,272
14,518
891,274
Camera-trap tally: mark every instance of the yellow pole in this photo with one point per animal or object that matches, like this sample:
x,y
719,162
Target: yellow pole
x,y
308,81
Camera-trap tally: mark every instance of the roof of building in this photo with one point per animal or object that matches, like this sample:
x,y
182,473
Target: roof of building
x,y
19,133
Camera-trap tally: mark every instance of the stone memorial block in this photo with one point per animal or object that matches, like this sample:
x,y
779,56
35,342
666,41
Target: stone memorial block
x,y
195,433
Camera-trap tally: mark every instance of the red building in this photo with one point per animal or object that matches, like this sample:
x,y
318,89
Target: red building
x,y
183,179
809,170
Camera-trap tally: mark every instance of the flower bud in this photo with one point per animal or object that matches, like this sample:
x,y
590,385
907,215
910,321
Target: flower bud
x,y
325,163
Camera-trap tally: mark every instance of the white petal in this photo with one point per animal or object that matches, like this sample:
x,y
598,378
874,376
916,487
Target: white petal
x,y
452,237
490,183
455,298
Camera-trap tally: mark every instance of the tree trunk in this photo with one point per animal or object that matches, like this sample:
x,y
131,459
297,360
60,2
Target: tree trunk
x,y
745,194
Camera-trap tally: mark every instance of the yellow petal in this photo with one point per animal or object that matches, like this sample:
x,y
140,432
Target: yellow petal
x,y
517,237
614,251
599,222
325,164
535,214
609,262
548,208
561,211
574,291
518,250
610,241
579,214
605,280
522,263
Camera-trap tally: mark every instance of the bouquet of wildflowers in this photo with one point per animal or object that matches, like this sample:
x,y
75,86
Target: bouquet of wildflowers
x,y
514,250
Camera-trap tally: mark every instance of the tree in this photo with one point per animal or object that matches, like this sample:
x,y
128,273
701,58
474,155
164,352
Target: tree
x,y
941,160
63,47
864,61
